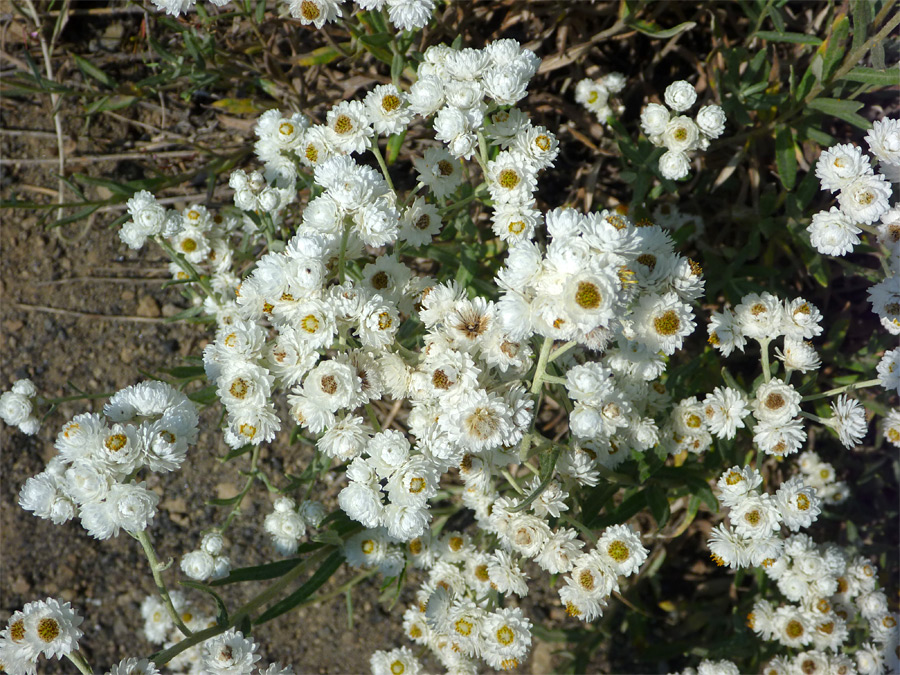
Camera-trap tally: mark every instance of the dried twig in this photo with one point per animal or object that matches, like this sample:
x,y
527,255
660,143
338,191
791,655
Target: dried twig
x,y
88,315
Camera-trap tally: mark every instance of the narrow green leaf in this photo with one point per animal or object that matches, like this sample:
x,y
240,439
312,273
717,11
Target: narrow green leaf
x,y
795,38
79,215
376,39
394,144
659,504
223,502
186,372
271,570
221,609
653,30
861,12
316,581
881,78
236,452
845,110
785,157
92,71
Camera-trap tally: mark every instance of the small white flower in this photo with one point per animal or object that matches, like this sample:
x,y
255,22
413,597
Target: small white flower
x,y
849,420
680,95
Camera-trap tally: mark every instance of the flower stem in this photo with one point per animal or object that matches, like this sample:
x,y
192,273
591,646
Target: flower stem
x,y
541,368
559,351
384,170
155,568
79,661
840,390
764,355
251,478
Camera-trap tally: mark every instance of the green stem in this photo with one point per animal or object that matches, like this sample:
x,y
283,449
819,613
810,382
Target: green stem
x,y
384,170
541,365
331,595
79,661
840,390
343,252
155,569
559,351
373,418
251,478
189,269
764,356
201,636
512,481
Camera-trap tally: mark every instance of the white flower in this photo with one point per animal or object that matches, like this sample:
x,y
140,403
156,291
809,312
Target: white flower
x,y
315,12
681,134
760,316
198,565
229,654
892,427
662,322
725,332
410,15
654,118
621,550
711,120
849,420
884,140
832,232
674,165
727,548
680,95
349,125
16,407
506,638
387,109
440,171
725,409
511,178
798,504
798,355
736,483
866,198
400,661
776,402
839,165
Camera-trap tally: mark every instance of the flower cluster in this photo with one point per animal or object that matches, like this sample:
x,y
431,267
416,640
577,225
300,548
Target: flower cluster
x,y
677,133
863,195
207,562
835,596
17,407
42,628
147,426
710,667
754,536
595,95
287,524
863,198
821,476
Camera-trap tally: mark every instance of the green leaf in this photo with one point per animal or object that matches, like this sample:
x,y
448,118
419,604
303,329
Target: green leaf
x,y
394,143
861,11
109,103
835,46
880,78
376,40
221,609
659,504
785,157
271,570
205,396
650,28
316,581
186,372
215,501
845,110
236,452
83,213
796,38
238,106
320,56
92,71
